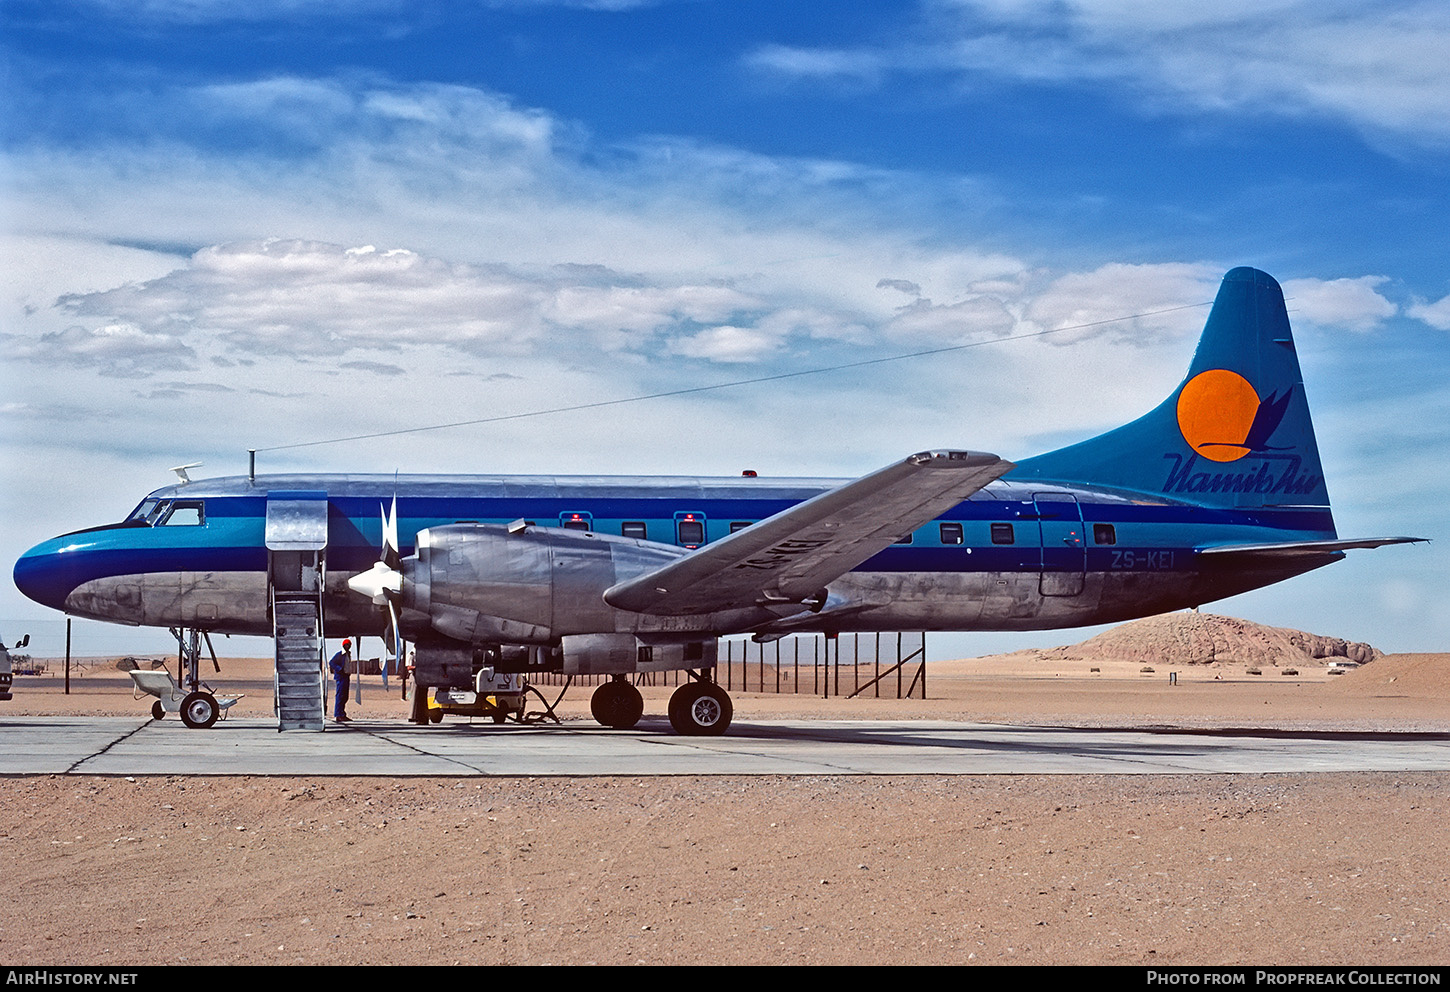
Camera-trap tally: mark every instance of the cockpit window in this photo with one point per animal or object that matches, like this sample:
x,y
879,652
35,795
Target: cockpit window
x,y
158,511
143,512
184,513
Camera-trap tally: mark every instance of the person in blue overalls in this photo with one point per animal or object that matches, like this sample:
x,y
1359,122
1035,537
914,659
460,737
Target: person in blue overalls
x,y
338,666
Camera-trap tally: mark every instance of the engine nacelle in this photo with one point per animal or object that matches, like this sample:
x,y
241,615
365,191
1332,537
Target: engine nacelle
x,y
523,599
443,662
614,654
481,584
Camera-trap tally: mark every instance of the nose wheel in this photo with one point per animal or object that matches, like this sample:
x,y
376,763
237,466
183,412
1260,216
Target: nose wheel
x,y
199,710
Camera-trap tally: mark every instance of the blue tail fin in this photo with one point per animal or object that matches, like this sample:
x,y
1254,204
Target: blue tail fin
x,y
1235,433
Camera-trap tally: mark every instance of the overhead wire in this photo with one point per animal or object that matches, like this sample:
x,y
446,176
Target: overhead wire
x,y
776,377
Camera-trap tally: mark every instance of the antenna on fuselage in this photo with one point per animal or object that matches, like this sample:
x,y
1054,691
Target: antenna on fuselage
x,y
180,471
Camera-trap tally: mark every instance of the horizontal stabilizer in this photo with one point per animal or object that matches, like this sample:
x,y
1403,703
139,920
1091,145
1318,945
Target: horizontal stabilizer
x,y
790,557
1303,549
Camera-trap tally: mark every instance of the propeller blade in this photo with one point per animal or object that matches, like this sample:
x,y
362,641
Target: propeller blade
x,y
393,635
383,583
391,555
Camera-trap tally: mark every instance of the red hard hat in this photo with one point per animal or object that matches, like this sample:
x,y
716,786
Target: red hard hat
x,y
347,642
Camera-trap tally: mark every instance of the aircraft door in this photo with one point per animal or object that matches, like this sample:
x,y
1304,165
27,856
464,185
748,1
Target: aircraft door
x,y
690,529
296,536
1064,552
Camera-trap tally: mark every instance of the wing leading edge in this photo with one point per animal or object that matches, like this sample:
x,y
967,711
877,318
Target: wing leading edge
x,y
790,557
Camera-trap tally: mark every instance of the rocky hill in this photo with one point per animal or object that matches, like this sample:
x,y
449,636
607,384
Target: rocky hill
x,y
1204,638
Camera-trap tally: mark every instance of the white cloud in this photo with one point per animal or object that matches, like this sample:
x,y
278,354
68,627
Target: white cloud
x,y
833,65
1436,314
193,11
223,11
506,262
308,298
1379,67
113,349
448,232
1353,304
727,344
975,318
1093,304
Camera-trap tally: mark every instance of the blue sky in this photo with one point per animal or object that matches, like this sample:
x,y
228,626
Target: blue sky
x,y
231,225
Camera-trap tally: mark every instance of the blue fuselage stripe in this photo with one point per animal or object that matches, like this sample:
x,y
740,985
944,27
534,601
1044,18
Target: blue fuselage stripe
x,y
231,539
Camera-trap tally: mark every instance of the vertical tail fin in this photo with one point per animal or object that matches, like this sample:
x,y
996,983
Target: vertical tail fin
x,y
1235,433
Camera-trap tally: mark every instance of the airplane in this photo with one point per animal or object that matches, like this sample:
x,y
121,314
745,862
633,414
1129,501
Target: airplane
x,y
1216,491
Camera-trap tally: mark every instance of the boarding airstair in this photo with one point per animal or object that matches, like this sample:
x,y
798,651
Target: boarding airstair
x,y
296,537
298,683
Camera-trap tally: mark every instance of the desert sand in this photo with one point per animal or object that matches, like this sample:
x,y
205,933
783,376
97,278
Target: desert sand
x,y
1133,870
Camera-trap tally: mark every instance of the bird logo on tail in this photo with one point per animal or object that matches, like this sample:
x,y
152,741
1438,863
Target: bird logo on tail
x,y
1223,419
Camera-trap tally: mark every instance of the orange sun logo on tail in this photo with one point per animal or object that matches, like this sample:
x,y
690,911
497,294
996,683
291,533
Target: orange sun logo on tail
x,y
1222,417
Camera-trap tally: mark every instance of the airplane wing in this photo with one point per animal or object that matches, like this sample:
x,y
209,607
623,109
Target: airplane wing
x,y
1301,549
791,556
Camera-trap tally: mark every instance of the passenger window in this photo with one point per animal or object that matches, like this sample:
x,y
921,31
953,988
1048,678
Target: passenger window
x,y
1002,534
1104,534
187,514
904,540
634,528
576,521
951,533
737,525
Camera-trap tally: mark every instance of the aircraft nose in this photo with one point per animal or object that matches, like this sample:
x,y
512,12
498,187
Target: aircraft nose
x,y
42,574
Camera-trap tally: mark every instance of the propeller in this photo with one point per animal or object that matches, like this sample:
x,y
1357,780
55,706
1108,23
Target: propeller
x,y
383,583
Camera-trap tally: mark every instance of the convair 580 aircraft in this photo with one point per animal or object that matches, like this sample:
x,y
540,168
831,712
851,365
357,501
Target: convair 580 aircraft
x,y
1217,491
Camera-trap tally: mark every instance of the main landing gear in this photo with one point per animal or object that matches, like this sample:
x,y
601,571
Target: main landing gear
x,y
617,704
699,708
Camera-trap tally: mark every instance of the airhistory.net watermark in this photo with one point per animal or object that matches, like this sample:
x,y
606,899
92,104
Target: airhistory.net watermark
x,y
69,976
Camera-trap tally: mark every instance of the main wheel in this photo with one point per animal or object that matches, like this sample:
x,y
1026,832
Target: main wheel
x,y
158,712
617,704
700,709
199,710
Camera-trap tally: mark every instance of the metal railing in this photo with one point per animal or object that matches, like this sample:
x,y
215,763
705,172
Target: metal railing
x,y
846,665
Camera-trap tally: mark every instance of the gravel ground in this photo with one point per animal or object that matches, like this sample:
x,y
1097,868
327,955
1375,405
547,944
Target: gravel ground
x,y
1132,870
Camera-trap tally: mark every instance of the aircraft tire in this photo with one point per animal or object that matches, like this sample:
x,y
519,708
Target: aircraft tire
x,y
700,709
617,705
199,710
158,712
